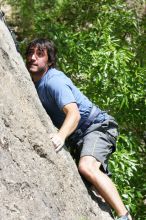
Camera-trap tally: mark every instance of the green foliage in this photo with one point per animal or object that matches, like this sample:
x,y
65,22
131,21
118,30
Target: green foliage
x,y
129,168
101,46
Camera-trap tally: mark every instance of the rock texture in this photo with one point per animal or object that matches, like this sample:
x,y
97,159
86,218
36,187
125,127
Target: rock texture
x,y
36,183
138,5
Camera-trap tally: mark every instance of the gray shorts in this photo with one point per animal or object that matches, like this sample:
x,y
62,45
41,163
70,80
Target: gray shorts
x,y
99,141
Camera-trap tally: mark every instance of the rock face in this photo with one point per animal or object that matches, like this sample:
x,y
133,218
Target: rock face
x,y
36,183
139,6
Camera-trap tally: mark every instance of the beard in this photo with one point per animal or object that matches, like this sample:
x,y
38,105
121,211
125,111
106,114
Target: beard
x,y
34,69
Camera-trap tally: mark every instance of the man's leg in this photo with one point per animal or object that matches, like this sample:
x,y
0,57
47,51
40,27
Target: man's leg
x,y
89,167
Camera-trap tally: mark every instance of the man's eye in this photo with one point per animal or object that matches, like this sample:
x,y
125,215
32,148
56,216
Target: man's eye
x,y
40,53
30,53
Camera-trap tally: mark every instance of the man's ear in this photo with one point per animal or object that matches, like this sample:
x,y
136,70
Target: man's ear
x,y
49,64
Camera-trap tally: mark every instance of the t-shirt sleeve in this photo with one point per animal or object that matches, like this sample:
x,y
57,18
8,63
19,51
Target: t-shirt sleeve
x,y
60,92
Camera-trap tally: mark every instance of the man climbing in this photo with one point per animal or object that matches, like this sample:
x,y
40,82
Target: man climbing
x,y
78,120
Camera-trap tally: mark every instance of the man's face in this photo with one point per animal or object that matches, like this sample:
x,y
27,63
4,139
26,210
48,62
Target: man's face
x,y
37,61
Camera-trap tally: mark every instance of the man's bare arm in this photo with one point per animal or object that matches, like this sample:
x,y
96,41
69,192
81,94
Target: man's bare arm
x,y
69,125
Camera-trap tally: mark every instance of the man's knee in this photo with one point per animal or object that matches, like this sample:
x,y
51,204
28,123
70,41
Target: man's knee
x,y
88,165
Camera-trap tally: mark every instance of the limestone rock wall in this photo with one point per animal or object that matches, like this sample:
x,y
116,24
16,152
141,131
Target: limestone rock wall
x,y
36,183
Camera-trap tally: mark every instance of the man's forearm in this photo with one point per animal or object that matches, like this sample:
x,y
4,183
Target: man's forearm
x,y
70,124
68,127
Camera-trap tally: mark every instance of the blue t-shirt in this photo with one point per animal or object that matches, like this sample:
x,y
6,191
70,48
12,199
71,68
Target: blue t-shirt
x,y
56,90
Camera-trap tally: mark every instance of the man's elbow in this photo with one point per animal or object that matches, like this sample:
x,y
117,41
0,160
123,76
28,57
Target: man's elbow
x,y
78,117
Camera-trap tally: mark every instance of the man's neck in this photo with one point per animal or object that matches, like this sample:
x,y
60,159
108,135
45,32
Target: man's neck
x,y
37,76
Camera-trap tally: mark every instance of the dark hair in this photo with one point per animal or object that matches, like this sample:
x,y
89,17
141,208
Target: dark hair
x,y
42,43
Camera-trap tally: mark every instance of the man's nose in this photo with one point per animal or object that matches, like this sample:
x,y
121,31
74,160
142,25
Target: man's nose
x,y
33,57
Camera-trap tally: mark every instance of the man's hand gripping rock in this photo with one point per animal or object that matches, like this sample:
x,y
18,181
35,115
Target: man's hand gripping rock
x,y
57,141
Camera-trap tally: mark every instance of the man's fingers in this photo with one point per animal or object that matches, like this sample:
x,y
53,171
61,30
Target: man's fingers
x,y
57,141
58,148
